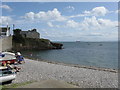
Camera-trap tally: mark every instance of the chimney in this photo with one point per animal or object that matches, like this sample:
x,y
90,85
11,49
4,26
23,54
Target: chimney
x,y
8,31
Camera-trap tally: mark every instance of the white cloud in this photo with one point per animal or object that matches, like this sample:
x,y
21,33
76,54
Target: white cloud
x,y
97,11
30,15
5,20
6,7
69,8
92,24
95,34
107,23
92,27
53,15
86,24
117,11
50,24
72,23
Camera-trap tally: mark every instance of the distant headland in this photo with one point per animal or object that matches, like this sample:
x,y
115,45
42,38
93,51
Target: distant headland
x,y
24,40
30,40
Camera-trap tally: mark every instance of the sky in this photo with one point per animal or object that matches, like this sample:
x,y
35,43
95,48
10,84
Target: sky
x,y
64,21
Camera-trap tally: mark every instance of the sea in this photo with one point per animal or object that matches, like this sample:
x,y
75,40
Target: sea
x,y
96,54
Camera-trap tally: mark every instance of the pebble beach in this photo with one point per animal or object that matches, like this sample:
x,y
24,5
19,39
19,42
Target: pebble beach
x,y
33,70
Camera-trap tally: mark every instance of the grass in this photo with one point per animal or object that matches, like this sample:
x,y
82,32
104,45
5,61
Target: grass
x,y
5,87
72,83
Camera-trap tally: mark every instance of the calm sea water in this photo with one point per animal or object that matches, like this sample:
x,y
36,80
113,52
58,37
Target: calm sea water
x,y
99,54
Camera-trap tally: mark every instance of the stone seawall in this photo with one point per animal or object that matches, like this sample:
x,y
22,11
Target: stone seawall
x,y
6,43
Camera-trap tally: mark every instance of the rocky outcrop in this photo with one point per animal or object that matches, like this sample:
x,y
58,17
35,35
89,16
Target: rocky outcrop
x,y
20,43
57,45
25,43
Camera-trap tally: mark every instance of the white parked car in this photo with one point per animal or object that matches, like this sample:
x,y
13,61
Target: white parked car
x,y
6,75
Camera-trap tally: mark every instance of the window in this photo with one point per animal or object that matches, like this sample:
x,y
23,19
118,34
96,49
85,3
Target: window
x,y
5,72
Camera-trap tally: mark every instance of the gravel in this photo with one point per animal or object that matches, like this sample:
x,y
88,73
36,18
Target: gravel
x,y
84,78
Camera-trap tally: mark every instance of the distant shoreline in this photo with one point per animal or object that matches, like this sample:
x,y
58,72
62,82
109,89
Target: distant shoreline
x,y
76,65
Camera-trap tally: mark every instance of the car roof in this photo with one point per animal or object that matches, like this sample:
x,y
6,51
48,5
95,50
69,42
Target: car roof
x,y
8,53
3,67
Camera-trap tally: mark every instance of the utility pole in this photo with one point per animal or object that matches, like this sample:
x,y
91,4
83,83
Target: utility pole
x,y
13,26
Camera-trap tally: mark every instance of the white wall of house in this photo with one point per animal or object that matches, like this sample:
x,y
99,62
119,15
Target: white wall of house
x,y
0,44
5,43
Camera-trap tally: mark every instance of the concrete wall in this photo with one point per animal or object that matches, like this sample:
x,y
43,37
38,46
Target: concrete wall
x,y
6,43
0,44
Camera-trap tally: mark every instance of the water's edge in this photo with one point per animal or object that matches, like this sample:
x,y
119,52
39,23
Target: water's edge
x,y
75,65
101,55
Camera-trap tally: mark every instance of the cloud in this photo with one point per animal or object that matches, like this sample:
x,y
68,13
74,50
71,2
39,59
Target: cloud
x,y
69,8
117,11
94,34
5,20
30,15
72,24
92,24
86,24
107,23
50,24
97,11
56,25
6,7
53,15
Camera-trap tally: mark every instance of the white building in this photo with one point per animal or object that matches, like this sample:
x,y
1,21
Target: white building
x,y
5,31
5,39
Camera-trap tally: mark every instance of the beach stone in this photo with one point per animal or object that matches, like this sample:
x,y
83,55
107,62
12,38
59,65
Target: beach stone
x,y
82,77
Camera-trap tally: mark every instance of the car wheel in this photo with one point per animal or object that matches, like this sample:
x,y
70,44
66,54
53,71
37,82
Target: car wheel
x,y
9,81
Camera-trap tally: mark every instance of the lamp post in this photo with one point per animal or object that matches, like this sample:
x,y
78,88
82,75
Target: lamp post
x,y
13,26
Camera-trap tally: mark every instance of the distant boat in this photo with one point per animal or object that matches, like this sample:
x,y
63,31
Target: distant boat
x,y
77,41
100,44
88,43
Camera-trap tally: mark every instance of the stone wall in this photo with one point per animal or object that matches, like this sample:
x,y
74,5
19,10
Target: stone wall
x,y
30,35
6,43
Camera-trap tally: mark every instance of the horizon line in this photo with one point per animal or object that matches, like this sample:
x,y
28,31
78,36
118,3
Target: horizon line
x,y
60,1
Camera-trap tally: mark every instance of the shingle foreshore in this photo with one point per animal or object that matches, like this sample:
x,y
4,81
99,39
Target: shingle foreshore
x,y
82,77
